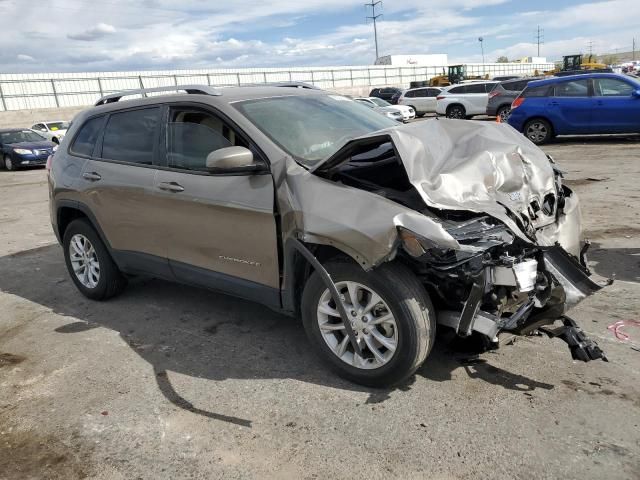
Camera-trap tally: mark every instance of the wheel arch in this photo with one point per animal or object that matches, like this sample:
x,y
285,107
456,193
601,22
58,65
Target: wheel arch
x,y
456,104
67,211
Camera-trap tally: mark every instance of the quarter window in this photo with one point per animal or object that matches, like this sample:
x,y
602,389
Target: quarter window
x,y
612,87
131,136
85,141
575,88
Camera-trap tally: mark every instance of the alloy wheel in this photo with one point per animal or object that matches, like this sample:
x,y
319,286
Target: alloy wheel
x,y
371,320
537,132
84,261
8,163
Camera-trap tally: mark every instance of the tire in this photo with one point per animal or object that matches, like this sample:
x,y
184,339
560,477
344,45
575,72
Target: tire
x,y
456,111
503,113
412,332
539,131
110,280
8,163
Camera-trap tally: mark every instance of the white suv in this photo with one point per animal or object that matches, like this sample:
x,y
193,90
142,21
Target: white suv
x,y
422,100
464,100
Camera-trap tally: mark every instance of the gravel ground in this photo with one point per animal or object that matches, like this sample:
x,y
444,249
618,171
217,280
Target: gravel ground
x,y
168,381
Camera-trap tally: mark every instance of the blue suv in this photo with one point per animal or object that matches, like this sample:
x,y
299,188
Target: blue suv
x,y
575,105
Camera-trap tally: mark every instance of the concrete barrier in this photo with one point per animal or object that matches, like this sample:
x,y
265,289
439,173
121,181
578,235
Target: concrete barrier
x,y
26,118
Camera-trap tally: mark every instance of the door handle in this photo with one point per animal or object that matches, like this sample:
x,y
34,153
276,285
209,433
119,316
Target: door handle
x,y
92,176
171,187
555,104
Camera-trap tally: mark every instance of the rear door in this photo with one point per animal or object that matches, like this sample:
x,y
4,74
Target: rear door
x,y
422,101
220,229
117,184
615,108
570,107
476,98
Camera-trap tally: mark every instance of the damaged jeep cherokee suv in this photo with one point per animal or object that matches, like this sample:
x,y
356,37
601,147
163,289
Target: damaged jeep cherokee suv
x,y
316,206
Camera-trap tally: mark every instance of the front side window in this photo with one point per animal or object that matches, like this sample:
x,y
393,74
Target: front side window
x,y
475,88
311,128
421,93
39,127
575,88
410,94
433,92
55,126
380,102
542,91
612,87
193,134
131,136
85,141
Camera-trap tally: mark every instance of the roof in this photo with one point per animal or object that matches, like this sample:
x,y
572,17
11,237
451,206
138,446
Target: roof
x,y
581,76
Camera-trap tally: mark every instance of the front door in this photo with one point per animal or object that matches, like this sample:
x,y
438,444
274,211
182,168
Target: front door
x,y
615,108
220,228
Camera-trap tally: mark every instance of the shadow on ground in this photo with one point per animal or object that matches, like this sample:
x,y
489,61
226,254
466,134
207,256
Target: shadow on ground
x,y
618,263
195,332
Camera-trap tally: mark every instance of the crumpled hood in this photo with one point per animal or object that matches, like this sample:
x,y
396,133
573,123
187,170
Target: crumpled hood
x,y
481,167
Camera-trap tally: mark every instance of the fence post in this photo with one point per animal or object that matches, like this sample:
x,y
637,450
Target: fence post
x,y
351,76
141,84
312,79
369,75
4,104
333,78
264,76
100,87
290,77
175,80
55,94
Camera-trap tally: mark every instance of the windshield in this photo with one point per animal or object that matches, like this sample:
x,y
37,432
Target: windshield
x,y
311,128
55,126
21,136
380,102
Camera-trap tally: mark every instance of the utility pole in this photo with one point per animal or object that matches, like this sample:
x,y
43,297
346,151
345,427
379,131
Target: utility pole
x,y
480,39
540,38
590,44
374,17
634,49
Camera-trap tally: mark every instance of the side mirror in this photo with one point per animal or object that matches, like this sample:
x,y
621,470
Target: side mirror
x,y
636,93
230,157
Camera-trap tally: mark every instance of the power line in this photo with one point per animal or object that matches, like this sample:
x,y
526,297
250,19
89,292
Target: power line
x,y
374,17
540,38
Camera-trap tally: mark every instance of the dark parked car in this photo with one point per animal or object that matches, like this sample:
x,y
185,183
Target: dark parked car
x,y
386,93
503,94
594,103
21,147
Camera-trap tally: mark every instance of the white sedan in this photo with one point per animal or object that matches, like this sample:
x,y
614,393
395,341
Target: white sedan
x,y
408,113
54,131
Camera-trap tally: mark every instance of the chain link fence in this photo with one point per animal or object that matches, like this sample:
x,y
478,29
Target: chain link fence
x,y
26,92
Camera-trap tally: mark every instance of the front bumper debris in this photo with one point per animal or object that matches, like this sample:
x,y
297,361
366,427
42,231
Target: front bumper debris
x,y
582,347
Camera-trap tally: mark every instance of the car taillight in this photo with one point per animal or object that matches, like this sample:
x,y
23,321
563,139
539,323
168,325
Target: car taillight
x,y
494,94
517,102
440,97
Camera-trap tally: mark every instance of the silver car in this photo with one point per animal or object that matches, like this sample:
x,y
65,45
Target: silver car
x,y
374,234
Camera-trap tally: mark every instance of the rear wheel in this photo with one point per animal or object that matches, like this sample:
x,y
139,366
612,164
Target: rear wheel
x,y
503,113
92,269
388,309
538,131
456,111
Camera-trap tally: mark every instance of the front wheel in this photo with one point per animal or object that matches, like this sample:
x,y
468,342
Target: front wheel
x,y
538,131
8,163
390,313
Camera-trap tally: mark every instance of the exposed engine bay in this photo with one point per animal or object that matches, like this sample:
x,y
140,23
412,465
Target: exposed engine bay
x,y
499,279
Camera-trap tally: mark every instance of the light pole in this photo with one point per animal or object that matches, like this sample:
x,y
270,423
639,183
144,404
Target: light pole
x,y
480,39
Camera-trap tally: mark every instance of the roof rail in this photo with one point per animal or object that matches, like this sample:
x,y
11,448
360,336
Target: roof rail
x,y
189,89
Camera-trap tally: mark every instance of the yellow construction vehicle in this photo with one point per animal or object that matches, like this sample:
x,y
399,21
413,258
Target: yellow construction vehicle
x,y
456,74
576,64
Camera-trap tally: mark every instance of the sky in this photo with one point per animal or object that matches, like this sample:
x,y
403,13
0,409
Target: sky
x,y
120,35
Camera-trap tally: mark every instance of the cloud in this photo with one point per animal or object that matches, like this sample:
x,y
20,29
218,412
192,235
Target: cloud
x,y
25,58
94,33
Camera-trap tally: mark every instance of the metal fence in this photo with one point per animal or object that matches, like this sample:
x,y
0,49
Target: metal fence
x,y
31,91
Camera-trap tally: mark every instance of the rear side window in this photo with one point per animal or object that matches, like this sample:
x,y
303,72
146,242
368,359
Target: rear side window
x,y
420,93
575,88
475,88
457,90
515,86
132,136
86,139
536,91
433,92
410,94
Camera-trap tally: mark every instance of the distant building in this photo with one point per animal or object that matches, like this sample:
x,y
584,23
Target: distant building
x,y
436,59
532,60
